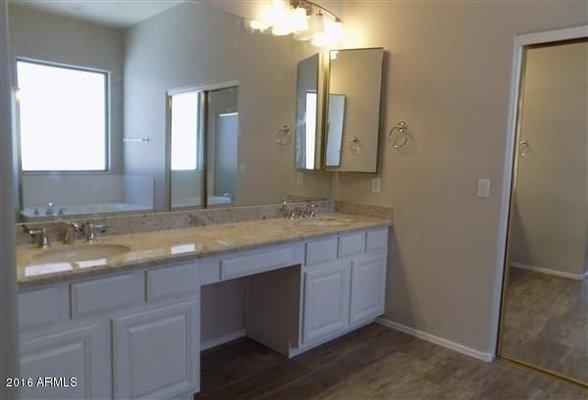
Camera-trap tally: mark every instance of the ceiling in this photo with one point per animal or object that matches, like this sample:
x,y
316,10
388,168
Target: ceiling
x,y
113,13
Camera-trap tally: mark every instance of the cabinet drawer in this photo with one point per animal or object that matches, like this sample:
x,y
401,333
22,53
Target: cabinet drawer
x,y
377,240
255,261
320,251
107,294
351,244
43,308
181,280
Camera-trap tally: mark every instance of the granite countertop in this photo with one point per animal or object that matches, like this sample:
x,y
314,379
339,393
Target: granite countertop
x,y
148,249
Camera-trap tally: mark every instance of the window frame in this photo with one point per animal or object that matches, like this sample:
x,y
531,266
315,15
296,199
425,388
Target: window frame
x,y
107,116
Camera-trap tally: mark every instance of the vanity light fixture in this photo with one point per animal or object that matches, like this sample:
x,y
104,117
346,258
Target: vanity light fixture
x,y
303,19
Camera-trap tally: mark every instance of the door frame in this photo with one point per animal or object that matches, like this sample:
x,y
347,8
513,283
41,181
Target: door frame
x,y
521,42
204,90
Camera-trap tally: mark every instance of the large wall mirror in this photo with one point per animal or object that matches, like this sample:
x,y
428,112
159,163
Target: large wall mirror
x,y
139,106
544,320
353,110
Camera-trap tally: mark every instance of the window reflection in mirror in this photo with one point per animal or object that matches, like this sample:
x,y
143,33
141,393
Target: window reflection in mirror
x,y
63,118
186,171
307,102
63,121
335,121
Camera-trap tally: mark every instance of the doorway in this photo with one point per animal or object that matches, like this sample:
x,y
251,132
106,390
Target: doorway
x,y
544,307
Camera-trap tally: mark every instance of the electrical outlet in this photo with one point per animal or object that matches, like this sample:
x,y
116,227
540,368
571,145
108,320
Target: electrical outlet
x,y
483,188
376,185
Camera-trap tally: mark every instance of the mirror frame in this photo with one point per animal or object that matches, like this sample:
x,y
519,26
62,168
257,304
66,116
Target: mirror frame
x,y
376,169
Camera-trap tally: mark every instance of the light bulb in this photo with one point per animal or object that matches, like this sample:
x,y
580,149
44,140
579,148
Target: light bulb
x,y
334,32
319,39
278,15
257,25
299,20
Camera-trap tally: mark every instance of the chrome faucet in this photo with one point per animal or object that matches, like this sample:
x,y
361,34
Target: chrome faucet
x,y
299,211
90,229
50,210
40,236
71,231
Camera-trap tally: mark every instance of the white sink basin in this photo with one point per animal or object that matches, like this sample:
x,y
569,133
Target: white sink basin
x,y
81,253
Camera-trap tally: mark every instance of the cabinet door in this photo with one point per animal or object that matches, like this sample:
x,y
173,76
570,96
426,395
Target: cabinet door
x,y
156,352
326,300
368,285
74,360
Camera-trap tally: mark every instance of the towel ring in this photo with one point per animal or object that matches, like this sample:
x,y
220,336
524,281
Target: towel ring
x,y
283,136
401,133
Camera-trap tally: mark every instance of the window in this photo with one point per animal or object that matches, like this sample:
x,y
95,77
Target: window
x,y
62,117
184,131
310,124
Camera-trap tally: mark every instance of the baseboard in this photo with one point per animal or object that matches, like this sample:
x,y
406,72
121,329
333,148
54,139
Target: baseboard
x,y
223,339
548,271
486,357
317,342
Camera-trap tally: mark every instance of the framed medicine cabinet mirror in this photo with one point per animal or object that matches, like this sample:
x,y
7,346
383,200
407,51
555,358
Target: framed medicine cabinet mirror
x,y
352,126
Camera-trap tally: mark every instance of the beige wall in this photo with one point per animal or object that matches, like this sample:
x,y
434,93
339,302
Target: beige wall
x,y
448,75
548,225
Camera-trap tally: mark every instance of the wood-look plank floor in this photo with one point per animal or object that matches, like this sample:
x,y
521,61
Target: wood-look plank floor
x,y
546,322
374,362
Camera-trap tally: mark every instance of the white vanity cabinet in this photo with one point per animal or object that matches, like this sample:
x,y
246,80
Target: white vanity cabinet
x,y
75,354
153,352
133,335
368,285
137,334
326,300
343,289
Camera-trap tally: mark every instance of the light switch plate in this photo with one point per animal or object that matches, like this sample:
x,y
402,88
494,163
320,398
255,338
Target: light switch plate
x,y
299,178
376,185
483,188
242,168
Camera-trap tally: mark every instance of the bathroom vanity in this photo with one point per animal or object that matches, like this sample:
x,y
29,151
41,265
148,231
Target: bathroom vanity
x,y
127,325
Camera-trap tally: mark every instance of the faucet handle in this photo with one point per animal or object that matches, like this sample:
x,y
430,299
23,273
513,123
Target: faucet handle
x,y
40,235
71,229
90,229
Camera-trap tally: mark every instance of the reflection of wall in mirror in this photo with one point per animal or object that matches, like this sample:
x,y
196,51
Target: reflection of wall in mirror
x,y
335,123
306,112
223,144
362,104
175,49
550,216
